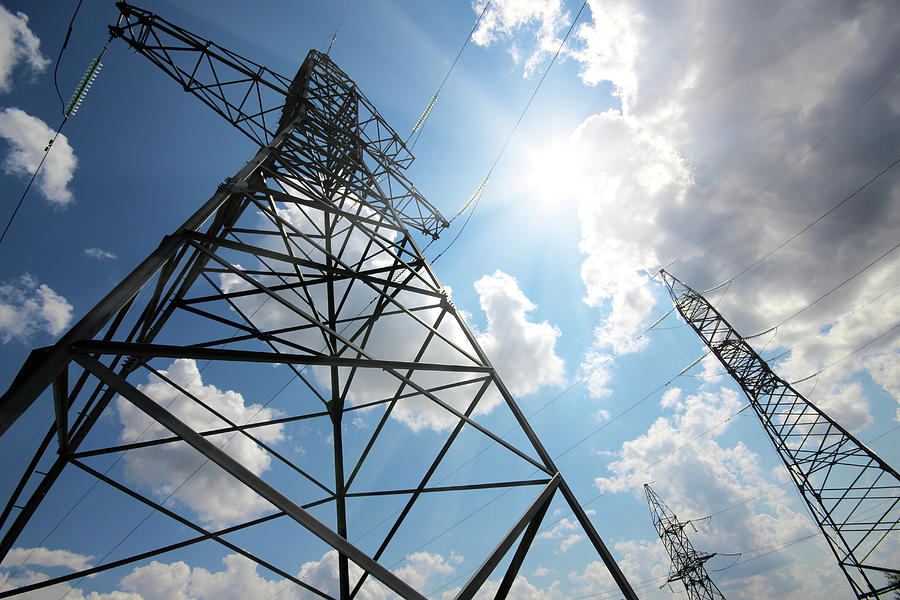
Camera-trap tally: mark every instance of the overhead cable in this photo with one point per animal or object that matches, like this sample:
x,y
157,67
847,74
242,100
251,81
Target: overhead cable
x,y
473,201
420,123
59,56
803,157
68,110
869,182
336,29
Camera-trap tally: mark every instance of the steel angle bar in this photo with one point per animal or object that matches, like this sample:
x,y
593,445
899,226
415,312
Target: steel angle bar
x,y
469,421
205,535
400,388
325,329
223,354
519,557
208,433
487,567
240,429
601,548
43,365
385,245
248,478
449,488
282,196
425,478
61,409
258,251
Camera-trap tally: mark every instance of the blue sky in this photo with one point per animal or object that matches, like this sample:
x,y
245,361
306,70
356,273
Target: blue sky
x,y
701,134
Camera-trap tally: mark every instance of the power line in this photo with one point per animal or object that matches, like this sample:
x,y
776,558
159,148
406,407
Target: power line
x,y
59,56
803,157
336,29
838,286
69,110
420,123
476,197
31,181
816,220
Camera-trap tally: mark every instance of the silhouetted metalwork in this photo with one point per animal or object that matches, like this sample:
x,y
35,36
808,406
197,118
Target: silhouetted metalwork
x,y
304,260
853,494
687,564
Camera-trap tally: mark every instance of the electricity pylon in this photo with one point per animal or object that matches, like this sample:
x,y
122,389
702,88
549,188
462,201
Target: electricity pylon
x,y
687,564
853,495
304,260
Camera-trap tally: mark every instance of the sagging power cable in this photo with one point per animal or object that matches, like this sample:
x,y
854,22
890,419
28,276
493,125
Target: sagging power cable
x,y
472,203
420,123
68,110
803,157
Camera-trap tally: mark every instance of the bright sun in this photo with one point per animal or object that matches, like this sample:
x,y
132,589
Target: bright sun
x,y
550,177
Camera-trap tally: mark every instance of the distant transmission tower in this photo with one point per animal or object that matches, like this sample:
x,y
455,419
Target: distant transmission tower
x,y
304,260
853,495
687,563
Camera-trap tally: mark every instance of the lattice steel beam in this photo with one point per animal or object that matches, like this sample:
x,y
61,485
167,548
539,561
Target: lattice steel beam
x,y
305,260
853,495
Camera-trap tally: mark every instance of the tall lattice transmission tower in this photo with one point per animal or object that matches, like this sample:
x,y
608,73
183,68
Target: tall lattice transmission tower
x,y
688,565
853,495
299,284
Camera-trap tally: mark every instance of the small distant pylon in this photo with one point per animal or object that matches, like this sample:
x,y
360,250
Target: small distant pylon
x,y
853,495
687,563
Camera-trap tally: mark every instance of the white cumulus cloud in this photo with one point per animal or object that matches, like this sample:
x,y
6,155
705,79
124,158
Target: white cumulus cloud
x,y
504,19
522,351
45,557
28,136
17,44
28,307
215,496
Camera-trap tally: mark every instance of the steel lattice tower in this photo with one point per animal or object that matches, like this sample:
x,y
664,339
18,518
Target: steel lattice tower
x,y
687,564
306,260
853,495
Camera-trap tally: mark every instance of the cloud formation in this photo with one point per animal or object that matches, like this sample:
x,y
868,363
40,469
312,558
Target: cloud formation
x,y
18,44
28,307
45,557
179,470
737,127
239,579
522,352
696,475
510,19
27,137
99,254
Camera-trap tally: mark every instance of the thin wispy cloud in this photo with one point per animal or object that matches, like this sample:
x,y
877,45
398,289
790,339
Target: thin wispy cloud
x,y
99,254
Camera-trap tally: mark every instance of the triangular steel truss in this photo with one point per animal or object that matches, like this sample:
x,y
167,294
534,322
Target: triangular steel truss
x,y
304,260
852,493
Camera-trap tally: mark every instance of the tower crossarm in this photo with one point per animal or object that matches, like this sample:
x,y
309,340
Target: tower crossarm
x,y
365,155
248,95
851,492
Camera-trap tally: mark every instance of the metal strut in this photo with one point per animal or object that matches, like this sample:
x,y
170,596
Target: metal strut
x,y
853,495
305,260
